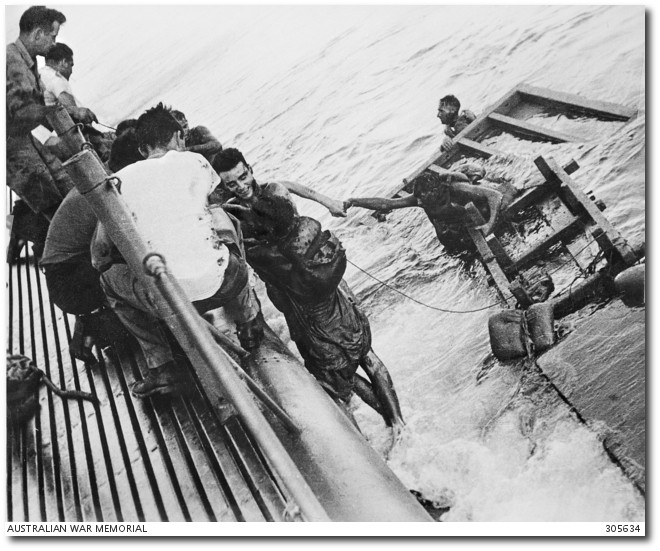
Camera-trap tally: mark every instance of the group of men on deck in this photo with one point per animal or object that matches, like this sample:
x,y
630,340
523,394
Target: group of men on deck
x,y
176,181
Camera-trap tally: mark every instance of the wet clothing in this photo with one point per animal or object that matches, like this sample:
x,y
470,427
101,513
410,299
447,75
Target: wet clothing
x,y
448,218
303,275
436,200
464,119
34,173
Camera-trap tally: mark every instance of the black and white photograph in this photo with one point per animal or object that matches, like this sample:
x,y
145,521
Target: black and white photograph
x,y
377,265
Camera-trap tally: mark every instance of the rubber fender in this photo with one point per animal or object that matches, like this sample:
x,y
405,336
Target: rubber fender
x,y
507,338
541,325
630,284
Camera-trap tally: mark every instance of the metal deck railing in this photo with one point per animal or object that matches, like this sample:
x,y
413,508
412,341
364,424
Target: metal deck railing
x,y
159,459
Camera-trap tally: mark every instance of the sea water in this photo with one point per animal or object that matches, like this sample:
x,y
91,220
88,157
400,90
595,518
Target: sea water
x,y
344,99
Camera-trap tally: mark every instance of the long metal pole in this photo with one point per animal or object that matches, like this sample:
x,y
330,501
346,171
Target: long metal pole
x,y
175,308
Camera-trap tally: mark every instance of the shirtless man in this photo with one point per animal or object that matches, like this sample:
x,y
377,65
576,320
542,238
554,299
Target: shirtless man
x,y
303,268
245,189
442,196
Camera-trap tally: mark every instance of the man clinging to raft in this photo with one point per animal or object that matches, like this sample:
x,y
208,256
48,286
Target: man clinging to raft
x,y
443,195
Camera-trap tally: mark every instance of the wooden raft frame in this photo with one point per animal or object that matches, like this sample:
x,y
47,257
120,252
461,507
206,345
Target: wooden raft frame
x,y
585,215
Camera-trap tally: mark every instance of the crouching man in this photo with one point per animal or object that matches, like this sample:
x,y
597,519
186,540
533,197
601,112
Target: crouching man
x,y
167,194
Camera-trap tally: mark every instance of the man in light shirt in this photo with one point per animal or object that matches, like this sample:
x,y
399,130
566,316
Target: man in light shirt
x,y
55,75
167,194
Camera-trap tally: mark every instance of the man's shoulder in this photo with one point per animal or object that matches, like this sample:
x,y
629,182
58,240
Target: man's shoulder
x,y
468,115
48,73
54,80
14,57
188,157
12,51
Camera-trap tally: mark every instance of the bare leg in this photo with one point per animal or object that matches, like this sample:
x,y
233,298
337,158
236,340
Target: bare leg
x,y
366,393
383,389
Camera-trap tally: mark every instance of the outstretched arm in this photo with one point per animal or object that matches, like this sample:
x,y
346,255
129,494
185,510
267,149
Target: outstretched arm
x,y
381,203
335,207
465,193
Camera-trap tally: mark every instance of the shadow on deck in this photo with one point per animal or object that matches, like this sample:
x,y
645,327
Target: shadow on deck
x,y
161,459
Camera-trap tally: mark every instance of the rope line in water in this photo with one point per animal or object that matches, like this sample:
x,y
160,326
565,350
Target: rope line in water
x,y
449,311
423,303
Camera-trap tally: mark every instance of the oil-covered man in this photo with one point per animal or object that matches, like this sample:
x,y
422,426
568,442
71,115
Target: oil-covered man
x,y
303,267
442,196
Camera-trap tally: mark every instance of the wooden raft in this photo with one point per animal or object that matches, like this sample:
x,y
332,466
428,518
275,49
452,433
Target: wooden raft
x,y
573,212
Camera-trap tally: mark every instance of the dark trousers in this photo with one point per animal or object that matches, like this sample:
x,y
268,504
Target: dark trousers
x,y
74,287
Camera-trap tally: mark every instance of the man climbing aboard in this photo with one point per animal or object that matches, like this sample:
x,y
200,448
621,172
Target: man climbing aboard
x,y
303,268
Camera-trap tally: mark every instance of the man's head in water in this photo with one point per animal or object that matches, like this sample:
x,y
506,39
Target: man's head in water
x,y
448,109
157,129
236,175
60,58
